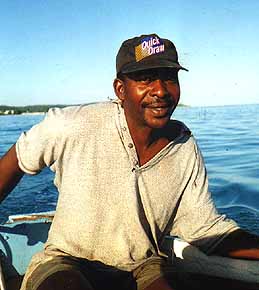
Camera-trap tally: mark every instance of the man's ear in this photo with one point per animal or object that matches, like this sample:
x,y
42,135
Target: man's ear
x,y
118,86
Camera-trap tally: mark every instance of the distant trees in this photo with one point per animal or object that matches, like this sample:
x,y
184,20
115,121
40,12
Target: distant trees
x,y
14,110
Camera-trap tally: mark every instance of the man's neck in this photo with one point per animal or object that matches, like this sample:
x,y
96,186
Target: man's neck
x,y
148,141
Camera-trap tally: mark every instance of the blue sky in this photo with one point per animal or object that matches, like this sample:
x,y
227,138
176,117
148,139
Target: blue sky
x,y
64,51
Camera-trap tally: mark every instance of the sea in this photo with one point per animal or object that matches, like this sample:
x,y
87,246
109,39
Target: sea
x,y
228,137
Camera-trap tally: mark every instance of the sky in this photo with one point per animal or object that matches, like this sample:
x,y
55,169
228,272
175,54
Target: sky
x,y
63,52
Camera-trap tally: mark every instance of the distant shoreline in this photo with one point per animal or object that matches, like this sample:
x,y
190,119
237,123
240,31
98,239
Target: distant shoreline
x,y
35,109
27,110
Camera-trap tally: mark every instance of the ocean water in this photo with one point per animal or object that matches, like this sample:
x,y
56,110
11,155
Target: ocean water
x,y
227,136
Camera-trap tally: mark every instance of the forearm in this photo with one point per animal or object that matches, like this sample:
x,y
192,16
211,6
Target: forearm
x,y
239,244
10,173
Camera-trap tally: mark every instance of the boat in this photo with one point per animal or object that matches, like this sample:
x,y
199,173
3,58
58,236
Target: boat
x,y
21,236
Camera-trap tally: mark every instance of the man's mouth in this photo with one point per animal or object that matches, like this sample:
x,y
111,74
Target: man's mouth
x,y
159,109
159,106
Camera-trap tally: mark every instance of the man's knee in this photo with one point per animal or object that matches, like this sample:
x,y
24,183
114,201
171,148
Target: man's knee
x,y
65,280
58,273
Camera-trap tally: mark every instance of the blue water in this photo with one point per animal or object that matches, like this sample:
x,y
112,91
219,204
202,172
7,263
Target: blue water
x,y
229,140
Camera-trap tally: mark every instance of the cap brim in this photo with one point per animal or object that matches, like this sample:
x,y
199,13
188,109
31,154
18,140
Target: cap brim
x,y
144,65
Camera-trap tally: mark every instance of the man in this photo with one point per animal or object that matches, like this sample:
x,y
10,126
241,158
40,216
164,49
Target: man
x,y
127,176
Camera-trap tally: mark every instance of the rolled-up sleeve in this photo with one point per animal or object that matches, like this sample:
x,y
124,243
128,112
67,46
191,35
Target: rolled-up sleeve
x,y
37,148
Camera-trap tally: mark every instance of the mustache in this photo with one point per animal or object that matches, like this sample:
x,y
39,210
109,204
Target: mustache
x,y
158,102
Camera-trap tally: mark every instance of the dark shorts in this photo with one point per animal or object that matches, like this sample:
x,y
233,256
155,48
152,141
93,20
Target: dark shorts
x,y
96,276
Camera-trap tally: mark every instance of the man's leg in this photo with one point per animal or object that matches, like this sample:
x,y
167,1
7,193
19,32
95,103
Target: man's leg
x,y
152,275
65,280
159,284
58,273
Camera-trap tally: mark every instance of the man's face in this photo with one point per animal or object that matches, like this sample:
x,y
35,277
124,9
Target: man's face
x,y
150,97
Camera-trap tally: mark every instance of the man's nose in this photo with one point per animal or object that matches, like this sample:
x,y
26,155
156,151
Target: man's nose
x,y
159,89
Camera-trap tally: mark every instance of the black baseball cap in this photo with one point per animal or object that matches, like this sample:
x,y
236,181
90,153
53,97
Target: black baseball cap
x,y
146,52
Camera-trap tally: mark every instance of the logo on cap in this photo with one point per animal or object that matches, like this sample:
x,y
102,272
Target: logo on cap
x,y
149,45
